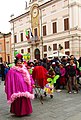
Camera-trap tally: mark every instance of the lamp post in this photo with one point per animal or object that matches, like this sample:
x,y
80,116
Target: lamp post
x,y
12,15
59,48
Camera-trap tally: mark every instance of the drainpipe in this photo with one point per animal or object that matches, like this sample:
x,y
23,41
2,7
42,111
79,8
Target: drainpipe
x,y
4,47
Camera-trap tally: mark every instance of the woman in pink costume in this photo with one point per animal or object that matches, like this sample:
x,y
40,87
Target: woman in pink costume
x,y
18,88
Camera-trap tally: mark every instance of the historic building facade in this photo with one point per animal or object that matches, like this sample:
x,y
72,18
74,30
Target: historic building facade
x,y
5,48
45,26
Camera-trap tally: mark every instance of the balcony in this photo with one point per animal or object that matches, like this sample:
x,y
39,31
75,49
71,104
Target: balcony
x,y
34,40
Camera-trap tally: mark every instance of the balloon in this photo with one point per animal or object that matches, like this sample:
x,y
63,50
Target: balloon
x,y
26,56
15,53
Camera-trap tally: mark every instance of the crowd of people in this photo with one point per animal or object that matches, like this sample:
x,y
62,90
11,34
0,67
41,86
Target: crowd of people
x,y
68,70
49,75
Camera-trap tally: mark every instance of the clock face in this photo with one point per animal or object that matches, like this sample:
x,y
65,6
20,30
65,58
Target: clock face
x,y
35,12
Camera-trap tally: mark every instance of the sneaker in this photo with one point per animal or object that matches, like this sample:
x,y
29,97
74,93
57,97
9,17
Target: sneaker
x,y
51,96
58,90
45,94
70,92
75,92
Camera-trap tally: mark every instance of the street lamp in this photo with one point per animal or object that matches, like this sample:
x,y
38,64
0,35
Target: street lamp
x,y
12,15
59,48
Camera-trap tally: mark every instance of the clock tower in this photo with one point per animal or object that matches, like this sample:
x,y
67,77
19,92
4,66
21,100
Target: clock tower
x,y
35,12
35,24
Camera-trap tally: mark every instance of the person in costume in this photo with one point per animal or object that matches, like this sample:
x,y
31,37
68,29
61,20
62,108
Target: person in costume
x,y
52,78
30,66
39,76
18,88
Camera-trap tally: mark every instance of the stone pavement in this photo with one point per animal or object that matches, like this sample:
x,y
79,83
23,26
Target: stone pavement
x,y
63,106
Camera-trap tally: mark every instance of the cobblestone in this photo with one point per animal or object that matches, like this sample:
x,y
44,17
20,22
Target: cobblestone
x,y
63,106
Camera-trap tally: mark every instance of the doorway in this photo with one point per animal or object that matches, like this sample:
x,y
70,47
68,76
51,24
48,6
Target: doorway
x,y
37,53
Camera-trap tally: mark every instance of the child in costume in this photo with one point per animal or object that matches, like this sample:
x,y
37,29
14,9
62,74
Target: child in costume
x,y
52,78
30,66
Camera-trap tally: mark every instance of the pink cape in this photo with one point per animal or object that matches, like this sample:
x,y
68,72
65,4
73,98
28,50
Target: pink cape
x,y
16,87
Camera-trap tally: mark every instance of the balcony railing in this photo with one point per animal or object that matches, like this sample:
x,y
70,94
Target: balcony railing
x,y
34,40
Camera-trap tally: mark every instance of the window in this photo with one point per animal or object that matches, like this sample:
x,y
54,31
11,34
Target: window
x,y
28,50
54,46
45,48
67,45
45,55
15,38
35,31
21,36
55,27
22,50
7,48
66,24
67,53
44,30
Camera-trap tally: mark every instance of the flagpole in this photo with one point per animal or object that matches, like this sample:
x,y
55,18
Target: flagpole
x,y
41,31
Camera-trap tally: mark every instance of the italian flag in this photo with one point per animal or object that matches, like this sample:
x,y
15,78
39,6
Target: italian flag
x,y
27,34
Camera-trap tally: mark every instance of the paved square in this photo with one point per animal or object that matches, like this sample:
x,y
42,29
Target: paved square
x,y
63,106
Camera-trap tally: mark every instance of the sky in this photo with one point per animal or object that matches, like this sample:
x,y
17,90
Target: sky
x,y
8,7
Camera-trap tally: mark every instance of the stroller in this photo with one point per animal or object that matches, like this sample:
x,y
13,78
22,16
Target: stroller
x,y
43,85
39,75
